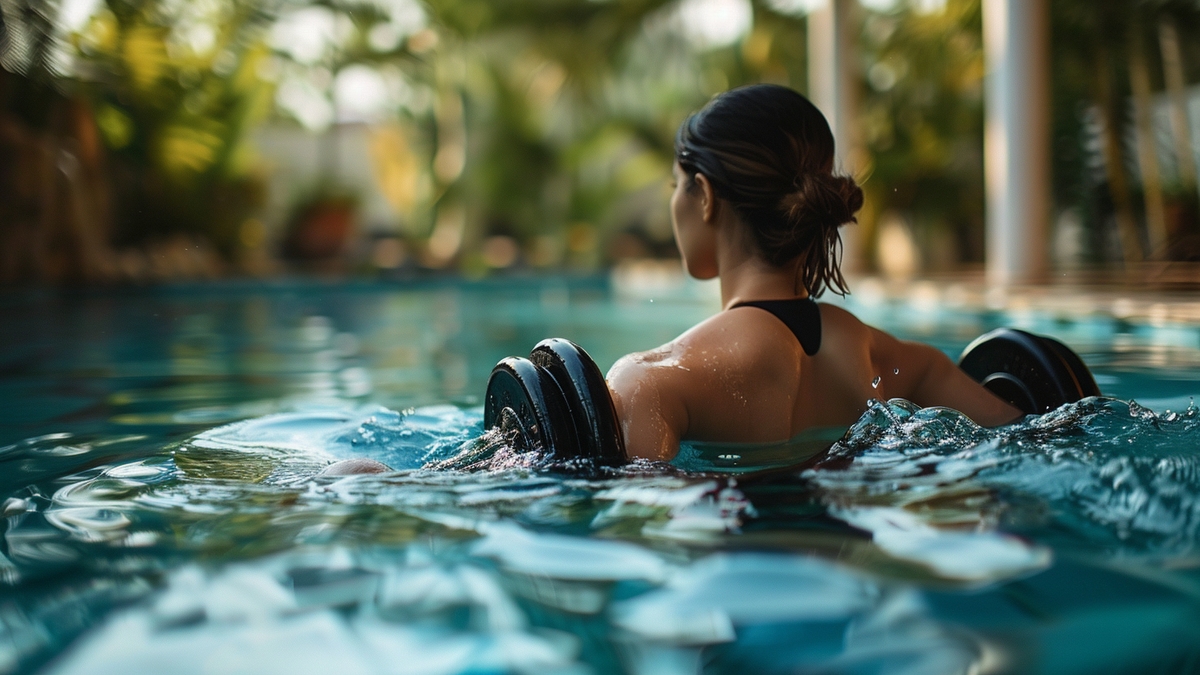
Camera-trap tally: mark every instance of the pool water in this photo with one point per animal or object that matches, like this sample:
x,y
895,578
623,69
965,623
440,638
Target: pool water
x,y
159,452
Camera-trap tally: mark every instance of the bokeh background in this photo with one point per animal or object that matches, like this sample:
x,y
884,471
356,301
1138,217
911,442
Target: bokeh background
x,y
158,140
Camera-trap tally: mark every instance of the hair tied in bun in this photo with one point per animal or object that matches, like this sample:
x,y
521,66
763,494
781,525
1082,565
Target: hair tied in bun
x,y
822,200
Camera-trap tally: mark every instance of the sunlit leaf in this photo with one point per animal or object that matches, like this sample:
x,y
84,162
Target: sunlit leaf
x,y
145,55
115,126
188,148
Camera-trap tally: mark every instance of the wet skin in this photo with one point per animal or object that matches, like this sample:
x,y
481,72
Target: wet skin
x,y
741,376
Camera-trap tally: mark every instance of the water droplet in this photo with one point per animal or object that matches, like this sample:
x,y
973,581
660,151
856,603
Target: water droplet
x,y
896,371
875,382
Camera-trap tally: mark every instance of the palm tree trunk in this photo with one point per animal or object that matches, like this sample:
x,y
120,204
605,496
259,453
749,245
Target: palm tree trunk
x,y
1172,56
1109,106
1147,145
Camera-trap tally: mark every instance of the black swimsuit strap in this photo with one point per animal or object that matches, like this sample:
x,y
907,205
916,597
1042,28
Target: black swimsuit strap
x,y
800,315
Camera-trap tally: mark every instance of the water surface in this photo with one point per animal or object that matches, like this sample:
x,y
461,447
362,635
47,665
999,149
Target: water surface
x,y
159,453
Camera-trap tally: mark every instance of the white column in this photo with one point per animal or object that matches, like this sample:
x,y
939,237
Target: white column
x,y
833,88
1017,139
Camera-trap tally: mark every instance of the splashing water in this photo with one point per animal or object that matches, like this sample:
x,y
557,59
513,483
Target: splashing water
x,y
1100,473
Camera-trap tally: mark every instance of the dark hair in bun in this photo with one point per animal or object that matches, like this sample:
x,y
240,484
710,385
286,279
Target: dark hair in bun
x,y
768,151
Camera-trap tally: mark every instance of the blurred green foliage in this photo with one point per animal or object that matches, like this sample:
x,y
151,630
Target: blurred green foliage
x,y
1092,55
175,88
568,116
922,123
550,122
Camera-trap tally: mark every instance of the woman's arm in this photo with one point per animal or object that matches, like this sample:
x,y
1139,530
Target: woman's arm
x,y
652,414
929,378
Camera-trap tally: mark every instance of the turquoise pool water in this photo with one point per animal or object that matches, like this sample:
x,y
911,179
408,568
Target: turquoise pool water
x,y
162,513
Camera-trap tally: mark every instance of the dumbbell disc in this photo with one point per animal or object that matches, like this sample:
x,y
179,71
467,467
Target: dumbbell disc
x,y
536,406
1085,384
1024,369
1010,389
588,399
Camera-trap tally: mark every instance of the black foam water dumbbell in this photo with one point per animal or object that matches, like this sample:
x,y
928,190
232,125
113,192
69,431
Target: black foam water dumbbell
x,y
556,401
1035,373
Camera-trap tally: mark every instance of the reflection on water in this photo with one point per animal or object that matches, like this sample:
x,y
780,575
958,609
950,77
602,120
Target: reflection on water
x,y
146,529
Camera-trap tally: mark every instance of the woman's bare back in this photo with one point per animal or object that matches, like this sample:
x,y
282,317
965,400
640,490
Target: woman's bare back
x,y
742,376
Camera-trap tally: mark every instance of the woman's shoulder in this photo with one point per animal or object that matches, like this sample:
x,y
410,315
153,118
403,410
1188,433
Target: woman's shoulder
x,y
853,330
839,323
831,313
737,339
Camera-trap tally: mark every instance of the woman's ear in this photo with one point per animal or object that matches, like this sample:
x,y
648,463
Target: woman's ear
x,y
708,198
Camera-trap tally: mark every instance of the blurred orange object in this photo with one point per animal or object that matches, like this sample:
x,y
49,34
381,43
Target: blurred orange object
x,y
321,230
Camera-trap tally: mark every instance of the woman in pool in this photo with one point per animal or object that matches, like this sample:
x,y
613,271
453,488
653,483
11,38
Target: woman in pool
x,y
757,205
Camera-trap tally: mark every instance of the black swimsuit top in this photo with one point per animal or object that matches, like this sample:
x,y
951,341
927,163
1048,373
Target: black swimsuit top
x,y
800,315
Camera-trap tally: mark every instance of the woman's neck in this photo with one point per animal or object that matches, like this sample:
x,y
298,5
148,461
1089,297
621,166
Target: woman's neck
x,y
746,276
743,272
